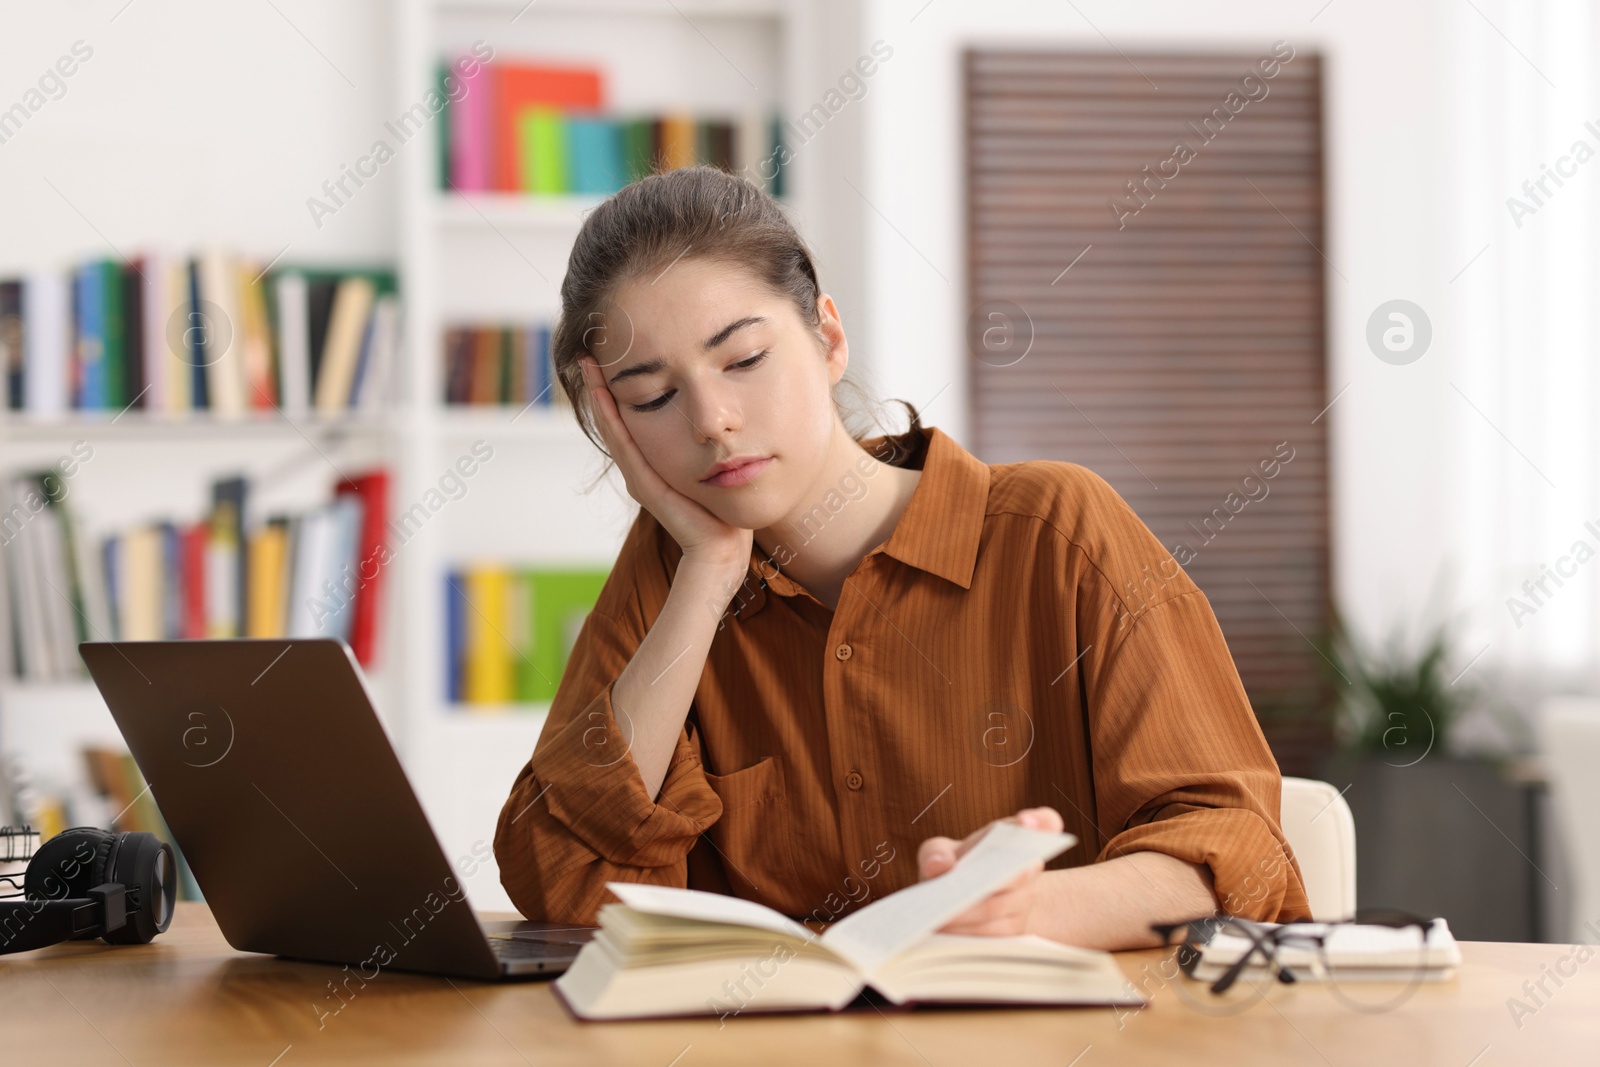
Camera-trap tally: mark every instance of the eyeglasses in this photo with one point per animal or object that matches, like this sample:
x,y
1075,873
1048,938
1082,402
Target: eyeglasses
x,y
1244,949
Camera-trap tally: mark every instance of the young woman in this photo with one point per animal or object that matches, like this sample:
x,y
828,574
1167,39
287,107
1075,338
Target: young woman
x,y
822,666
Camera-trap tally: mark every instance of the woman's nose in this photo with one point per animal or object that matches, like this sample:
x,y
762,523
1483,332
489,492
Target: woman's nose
x,y
713,413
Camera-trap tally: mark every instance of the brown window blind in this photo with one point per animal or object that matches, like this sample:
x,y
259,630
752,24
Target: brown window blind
x,y
1155,313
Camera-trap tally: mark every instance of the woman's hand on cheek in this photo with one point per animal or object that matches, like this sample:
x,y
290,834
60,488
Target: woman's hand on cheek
x,y
698,532
1008,909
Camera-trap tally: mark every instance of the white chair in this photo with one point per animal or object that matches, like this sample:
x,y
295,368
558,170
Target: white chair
x,y
1570,743
1317,824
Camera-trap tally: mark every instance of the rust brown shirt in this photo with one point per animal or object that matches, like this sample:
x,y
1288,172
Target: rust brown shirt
x,y
1021,639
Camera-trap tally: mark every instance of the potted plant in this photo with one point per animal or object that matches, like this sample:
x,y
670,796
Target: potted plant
x,y
1439,830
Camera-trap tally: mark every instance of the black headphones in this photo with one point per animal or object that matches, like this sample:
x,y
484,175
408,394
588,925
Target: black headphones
x,y
87,882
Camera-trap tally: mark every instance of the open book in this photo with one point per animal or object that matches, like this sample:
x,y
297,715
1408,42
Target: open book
x,y
666,951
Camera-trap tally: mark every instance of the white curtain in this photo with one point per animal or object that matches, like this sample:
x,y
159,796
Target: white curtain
x,y
1521,337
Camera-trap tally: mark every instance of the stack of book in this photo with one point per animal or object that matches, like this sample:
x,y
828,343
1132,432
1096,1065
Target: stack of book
x,y
501,364
214,332
510,630
316,574
539,128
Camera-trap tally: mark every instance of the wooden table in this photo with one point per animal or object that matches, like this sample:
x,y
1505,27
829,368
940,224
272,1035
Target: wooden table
x,y
189,998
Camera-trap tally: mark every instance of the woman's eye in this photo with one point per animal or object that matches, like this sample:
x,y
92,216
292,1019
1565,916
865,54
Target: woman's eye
x,y
654,405
660,402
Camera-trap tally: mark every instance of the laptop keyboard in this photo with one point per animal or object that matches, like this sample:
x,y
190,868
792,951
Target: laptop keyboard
x,y
526,949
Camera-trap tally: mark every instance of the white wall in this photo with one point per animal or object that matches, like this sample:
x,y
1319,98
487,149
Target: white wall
x,y
195,122
1388,234
134,153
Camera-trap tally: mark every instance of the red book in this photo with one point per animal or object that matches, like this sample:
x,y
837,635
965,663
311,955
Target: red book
x,y
517,86
193,551
373,489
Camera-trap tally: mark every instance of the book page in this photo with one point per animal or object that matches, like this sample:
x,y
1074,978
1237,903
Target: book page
x,y
881,930
705,907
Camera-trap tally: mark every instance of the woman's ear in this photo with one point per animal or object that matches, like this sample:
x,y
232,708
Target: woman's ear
x,y
836,346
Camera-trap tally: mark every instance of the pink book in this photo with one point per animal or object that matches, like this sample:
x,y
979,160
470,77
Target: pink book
x,y
470,164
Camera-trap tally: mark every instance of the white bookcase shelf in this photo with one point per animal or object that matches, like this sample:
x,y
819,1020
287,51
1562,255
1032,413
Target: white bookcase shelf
x,y
461,258
509,209
467,256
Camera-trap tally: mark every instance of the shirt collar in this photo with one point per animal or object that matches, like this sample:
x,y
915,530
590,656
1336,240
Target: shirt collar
x,y
938,532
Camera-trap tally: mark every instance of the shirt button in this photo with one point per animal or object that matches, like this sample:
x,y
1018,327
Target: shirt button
x,y
843,651
854,780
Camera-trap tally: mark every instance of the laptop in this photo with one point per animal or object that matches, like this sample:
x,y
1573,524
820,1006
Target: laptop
x,y
279,785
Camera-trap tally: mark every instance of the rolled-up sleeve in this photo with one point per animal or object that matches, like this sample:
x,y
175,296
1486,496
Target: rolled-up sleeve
x,y
1181,765
578,815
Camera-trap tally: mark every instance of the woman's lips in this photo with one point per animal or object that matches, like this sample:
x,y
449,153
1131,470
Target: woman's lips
x,y
738,475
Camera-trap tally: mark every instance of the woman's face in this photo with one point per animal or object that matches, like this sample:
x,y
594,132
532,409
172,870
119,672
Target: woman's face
x,y
707,365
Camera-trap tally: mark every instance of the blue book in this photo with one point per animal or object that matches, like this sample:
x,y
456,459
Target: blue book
x,y
110,554
90,306
195,332
594,155
171,580
347,510
538,382
455,634
361,361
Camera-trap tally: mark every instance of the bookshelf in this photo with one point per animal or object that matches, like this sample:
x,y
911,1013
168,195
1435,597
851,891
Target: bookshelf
x,y
483,255
495,255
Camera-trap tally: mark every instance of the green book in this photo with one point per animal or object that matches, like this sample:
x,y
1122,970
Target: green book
x,y
442,72
542,150
115,332
560,602
636,142
779,182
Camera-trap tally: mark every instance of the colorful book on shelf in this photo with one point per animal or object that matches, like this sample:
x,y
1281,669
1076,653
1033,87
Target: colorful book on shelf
x,y
543,129
596,164
49,607
269,568
495,364
510,630
219,316
471,117
544,90
12,353
89,386
347,320
371,560
560,600
229,574
443,75
541,148
489,666
639,146
199,344
677,141
455,637
221,576
133,372
261,372
47,342
212,332
192,577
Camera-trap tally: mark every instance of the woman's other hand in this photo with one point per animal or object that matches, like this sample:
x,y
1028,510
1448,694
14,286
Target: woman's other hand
x,y
1009,909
